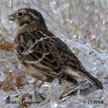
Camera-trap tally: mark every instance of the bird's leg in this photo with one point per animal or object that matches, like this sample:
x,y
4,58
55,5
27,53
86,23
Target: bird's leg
x,y
37,95
41,84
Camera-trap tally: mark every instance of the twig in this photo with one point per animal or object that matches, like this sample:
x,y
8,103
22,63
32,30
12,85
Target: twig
x,y
6,45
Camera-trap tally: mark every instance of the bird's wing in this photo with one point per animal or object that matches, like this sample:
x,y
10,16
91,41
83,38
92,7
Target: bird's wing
x,y
48,50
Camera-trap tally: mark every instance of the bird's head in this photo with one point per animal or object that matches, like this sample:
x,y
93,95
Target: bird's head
x,y
26,16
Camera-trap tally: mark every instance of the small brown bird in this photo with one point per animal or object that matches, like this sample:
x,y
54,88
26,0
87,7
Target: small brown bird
x,y
44,55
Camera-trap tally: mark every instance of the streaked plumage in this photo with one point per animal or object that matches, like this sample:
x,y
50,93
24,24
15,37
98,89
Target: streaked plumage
x,y
43,54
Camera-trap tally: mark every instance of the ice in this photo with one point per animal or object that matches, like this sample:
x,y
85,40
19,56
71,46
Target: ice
x,y
83,26
54,94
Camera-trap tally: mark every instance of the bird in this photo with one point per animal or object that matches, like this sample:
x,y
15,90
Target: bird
x,y
44,55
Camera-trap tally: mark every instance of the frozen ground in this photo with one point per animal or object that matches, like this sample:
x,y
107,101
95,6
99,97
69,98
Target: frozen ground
x,y
83,25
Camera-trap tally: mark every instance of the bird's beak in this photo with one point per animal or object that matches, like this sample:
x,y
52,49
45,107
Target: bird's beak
x,y
12,17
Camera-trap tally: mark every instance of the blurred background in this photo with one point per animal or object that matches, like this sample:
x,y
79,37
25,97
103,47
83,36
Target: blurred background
x,y
81,24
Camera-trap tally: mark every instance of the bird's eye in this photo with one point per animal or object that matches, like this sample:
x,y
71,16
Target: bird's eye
x,y
20,14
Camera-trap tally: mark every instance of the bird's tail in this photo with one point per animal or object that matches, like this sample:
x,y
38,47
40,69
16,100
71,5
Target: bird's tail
x,y
92,79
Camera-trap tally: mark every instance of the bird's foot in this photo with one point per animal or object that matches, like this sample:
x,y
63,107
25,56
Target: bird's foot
x,y
41,98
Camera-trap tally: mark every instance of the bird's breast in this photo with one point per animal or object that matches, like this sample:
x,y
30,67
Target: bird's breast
x,y
37,73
